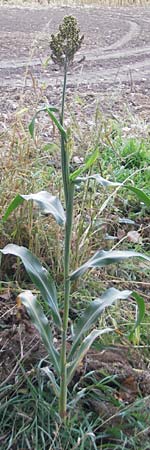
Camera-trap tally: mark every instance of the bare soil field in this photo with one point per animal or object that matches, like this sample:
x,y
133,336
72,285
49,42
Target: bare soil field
x,y
115,58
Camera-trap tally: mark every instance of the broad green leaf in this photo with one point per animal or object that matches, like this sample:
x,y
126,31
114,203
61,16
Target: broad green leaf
x,y
82,351
39,276
41,323
92,313
140,194
104,258
88,163
98,179
48,204
50,110
141,311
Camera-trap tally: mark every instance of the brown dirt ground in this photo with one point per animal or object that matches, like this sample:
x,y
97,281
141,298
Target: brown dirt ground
x,y
20,343
115,72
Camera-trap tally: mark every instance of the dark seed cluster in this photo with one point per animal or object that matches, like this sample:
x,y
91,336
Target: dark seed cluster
x,y
66,42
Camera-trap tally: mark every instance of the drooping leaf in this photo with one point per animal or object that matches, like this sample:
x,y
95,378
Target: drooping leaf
x,y
140,194
104,258
41,323
48,204
82,351
98,179
50,110
141,311
39,276
93,311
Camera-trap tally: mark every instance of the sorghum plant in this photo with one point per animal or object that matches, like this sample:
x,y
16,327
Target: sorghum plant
x,y
64,364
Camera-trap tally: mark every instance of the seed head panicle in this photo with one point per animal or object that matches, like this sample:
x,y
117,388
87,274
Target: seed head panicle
x,y
66,42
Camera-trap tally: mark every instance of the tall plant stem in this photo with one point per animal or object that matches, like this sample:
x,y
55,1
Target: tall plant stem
x,y
64,156
68,233
68,192
64,91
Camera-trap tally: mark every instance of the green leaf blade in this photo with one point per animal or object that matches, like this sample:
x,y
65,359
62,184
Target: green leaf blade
x,y
56,122
141,312
17,201
86,166
141,307
32,126
39,276
140,194
104,258
44,109
47,203
53,383
93,311
82,351
41,323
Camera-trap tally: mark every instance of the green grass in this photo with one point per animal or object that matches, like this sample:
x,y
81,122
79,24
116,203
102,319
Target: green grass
x,y
29,421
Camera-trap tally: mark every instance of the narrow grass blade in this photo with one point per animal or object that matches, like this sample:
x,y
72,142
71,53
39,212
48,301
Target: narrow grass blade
x,y
141,311
104,258
41,323
140,194
93,311
47,203
141,308
82,351
39,276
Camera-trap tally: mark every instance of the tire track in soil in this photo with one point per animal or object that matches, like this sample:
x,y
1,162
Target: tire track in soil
x,y
109,66
134,31
97,57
